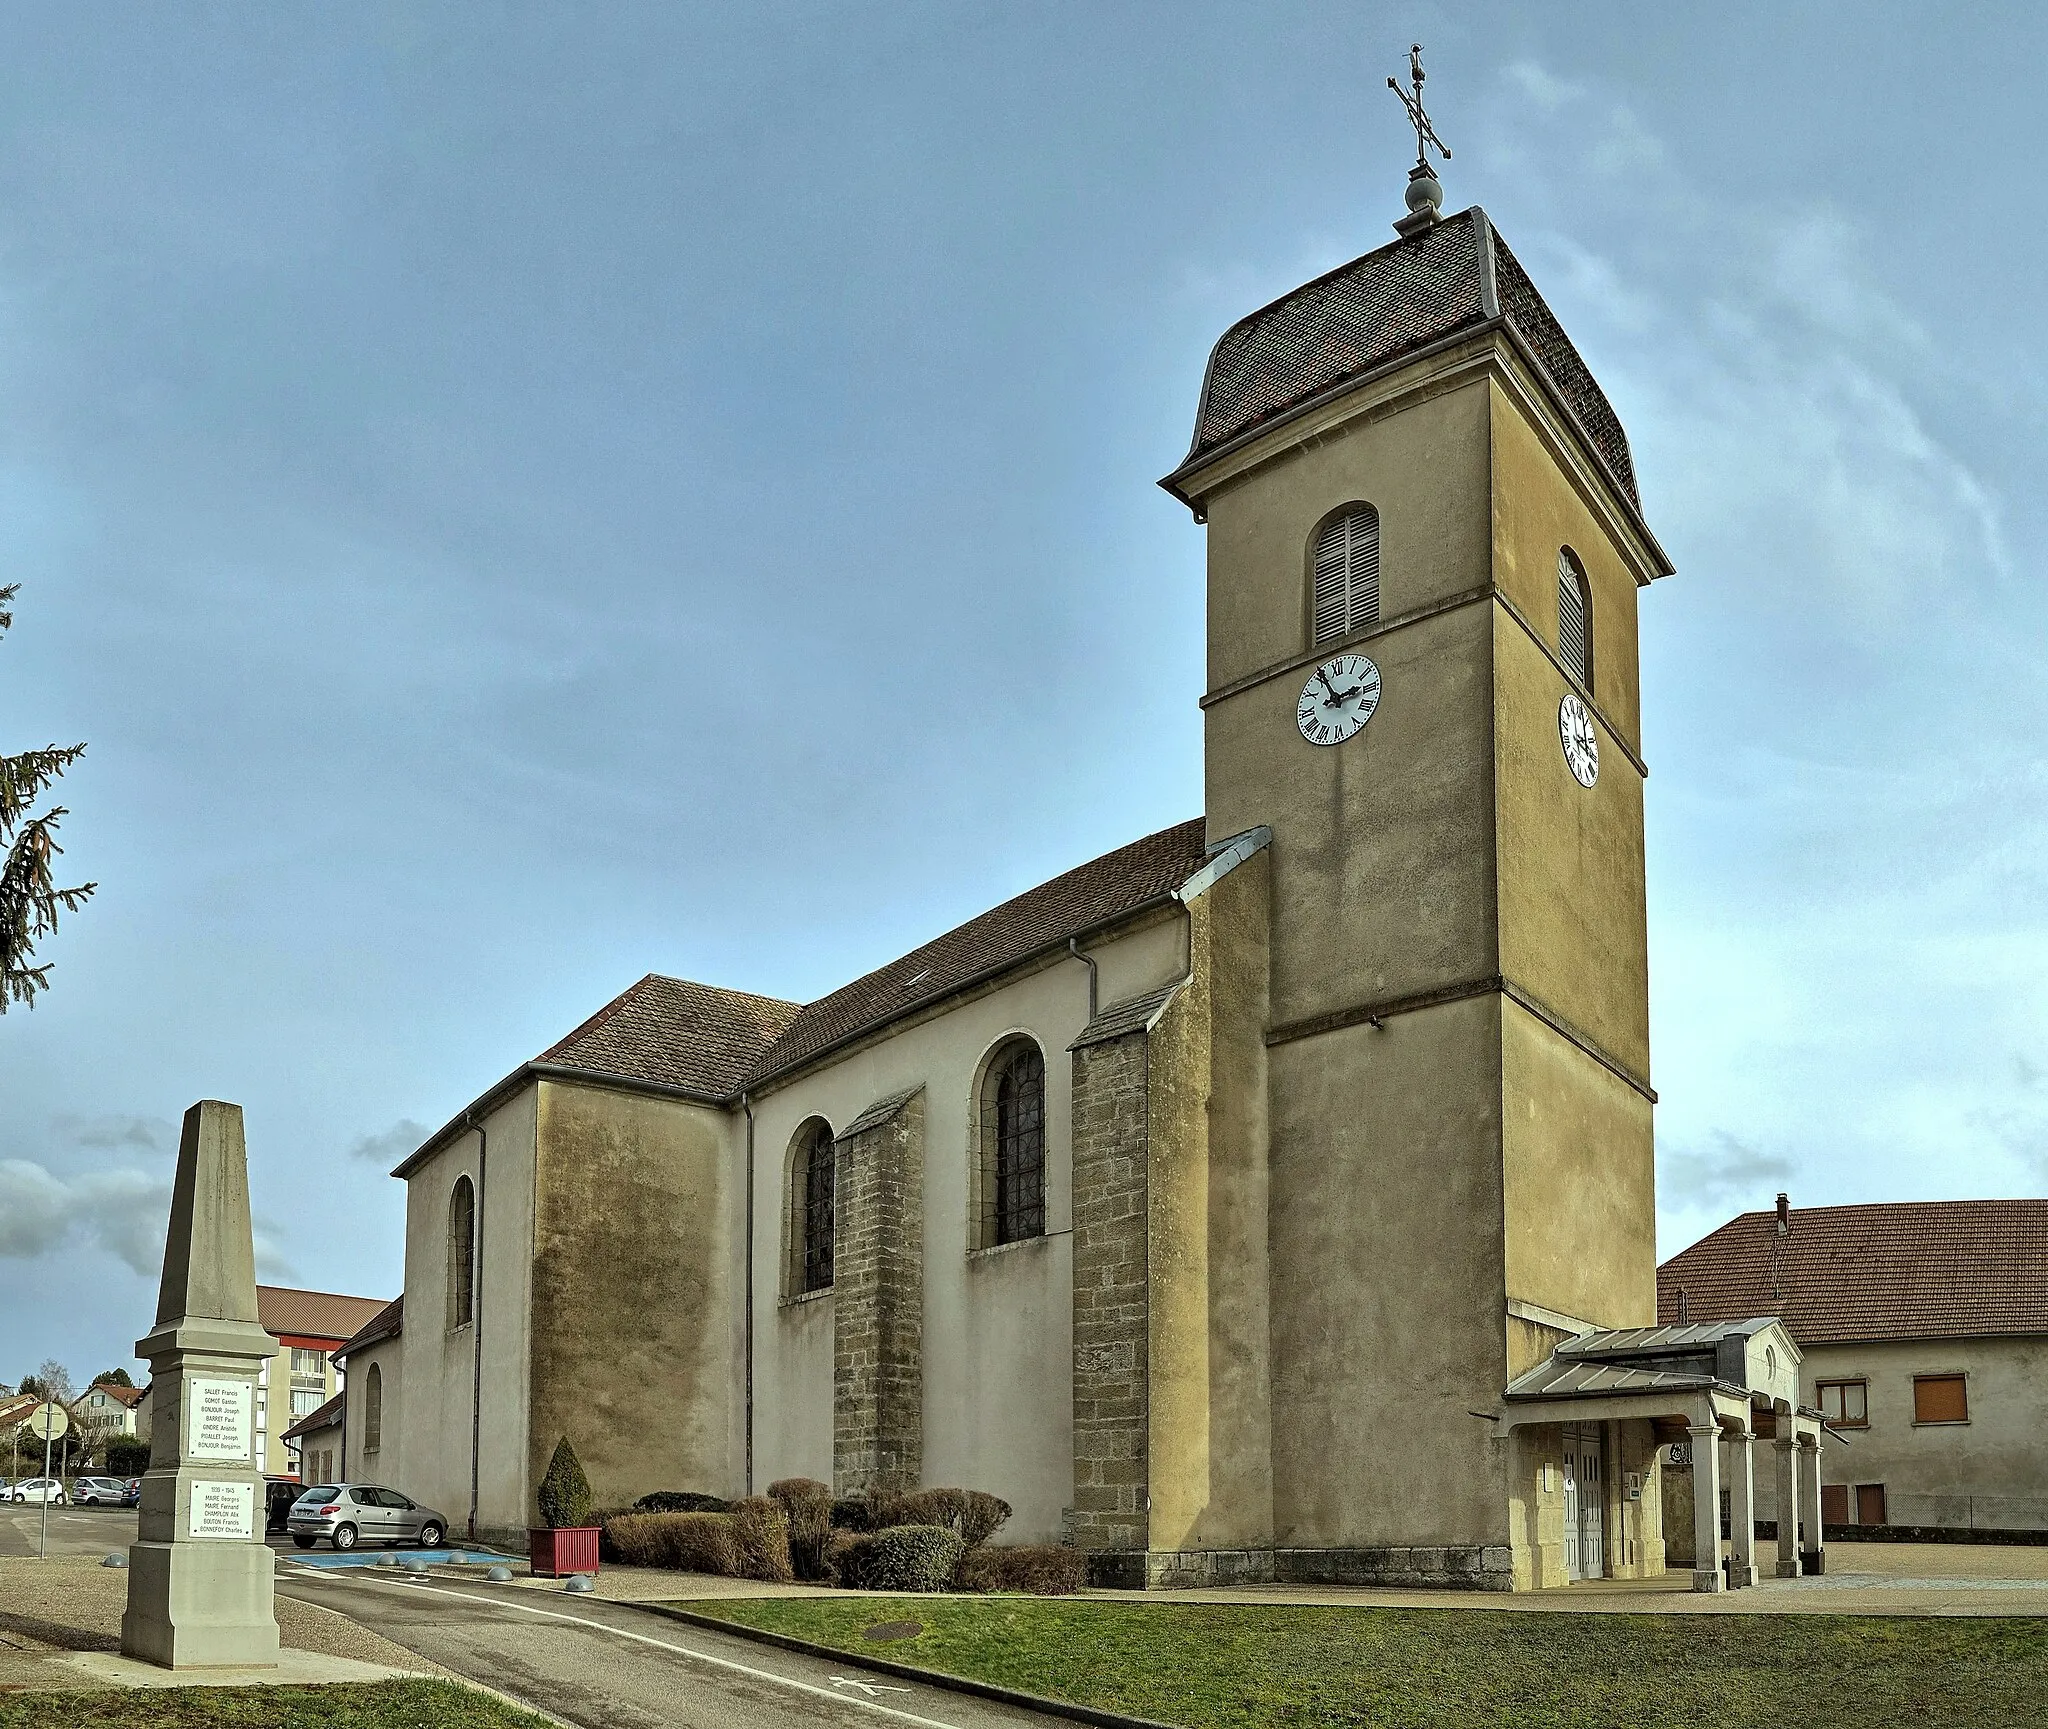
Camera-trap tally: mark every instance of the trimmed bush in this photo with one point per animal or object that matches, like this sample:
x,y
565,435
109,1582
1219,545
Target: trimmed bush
x,y
808,1506
680,1501
687,1542
909,1558
760,1538
564,1491
1042,1569
974,1515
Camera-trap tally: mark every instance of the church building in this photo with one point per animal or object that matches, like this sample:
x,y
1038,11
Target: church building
x,y
1270,1198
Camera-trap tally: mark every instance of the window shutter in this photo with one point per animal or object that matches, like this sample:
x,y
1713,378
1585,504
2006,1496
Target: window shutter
x,y
1940,1399
1347,594
1574,644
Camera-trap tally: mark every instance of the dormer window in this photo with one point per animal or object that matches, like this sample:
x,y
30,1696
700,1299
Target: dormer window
x,y
1347,574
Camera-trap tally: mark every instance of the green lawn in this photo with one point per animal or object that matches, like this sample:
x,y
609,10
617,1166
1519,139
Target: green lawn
x,y
370,1705
1231,1666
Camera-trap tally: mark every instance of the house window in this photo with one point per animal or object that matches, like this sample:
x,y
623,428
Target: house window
x,y
305,1401
461,1255
813,1176
310,1364
1574,618
1013,1138
373,1409
1845,1404
1346,580
1940,1399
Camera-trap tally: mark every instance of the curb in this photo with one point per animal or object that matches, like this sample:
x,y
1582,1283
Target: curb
x,y
909,1672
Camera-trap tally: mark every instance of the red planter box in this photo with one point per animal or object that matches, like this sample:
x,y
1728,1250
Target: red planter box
x,y
555,1554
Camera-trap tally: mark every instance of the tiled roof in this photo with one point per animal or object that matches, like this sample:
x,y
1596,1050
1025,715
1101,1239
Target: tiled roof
x,y
1904,1270
701,1038
326,1415
387,1323
312,1314
129,1396
1454,276
1086,898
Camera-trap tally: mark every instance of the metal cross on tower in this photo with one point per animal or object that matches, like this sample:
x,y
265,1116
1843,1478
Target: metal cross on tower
x,y
1425,196
1425,133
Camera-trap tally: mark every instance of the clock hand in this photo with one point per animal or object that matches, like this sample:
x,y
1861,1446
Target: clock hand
x,y
1331,688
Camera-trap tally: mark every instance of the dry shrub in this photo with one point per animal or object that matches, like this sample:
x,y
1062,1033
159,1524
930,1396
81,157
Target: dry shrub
x,y
687,1542
845,1552
975,1516
760,1538
1042,1569
808,1507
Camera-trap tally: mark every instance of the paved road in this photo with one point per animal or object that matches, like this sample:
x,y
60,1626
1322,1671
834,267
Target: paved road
x,y
608,1666
73,1530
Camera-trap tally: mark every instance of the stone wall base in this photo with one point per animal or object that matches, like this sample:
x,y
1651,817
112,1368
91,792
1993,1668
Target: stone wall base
x,y
1458,1567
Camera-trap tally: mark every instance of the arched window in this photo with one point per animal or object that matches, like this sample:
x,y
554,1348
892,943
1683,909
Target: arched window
x,y
1347,573
1574,618
373,1409
461,1255
813,1182
1013,1146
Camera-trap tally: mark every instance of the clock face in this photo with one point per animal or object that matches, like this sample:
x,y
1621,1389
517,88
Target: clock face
x,y
1581,742
1338,699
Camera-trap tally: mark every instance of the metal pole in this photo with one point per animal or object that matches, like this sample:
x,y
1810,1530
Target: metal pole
x,y
43,1548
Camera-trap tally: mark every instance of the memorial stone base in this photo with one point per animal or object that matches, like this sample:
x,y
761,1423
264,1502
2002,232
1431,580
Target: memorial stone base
x,y
201,1605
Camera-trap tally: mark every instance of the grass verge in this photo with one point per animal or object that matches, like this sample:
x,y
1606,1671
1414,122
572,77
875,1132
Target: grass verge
x,y
1233,1666
352,1705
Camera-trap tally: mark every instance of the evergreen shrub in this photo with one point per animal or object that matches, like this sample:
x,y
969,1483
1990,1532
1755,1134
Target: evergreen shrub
x,y
564,1491
900,1558
680,1501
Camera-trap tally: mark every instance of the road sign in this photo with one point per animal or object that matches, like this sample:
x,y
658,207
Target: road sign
x,y
49,1422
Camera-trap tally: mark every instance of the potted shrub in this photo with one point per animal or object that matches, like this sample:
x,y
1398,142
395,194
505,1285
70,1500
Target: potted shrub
x,y
567,1541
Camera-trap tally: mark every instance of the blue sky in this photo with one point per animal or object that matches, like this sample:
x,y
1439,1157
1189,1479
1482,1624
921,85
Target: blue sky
x,y
517,498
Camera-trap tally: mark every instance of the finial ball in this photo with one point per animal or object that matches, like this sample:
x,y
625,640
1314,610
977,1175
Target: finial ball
x,y
1425,192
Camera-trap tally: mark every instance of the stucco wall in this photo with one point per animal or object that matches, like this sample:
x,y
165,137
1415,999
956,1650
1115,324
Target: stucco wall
x,y
436,1443
387,1463
998,1323
1387,1281
631,1354
1990,1473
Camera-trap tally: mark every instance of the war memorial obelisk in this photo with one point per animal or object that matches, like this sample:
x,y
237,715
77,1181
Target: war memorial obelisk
x,y
201,1581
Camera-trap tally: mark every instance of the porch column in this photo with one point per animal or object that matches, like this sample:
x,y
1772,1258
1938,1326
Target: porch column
x,y
1741,1511
1788,1499
1813,1556
1706,1508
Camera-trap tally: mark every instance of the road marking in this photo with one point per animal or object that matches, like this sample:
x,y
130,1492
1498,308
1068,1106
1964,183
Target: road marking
x,y
870,1688
660,1645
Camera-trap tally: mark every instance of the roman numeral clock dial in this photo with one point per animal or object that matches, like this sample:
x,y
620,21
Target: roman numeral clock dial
x,y
1338,699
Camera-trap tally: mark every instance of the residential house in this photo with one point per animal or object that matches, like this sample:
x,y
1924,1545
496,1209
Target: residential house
x,y
107,1408
1924,1332
309,1326
315,1440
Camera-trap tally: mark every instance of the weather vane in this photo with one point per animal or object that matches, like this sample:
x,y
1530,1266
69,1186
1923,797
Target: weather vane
x,y
1425,195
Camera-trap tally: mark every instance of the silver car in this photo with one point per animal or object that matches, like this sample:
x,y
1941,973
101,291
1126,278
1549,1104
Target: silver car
x,y
350,1513
98,1491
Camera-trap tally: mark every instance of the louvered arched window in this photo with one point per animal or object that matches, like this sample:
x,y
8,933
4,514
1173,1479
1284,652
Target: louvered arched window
x,y
1347,573
461,1254
813,1174
1574,618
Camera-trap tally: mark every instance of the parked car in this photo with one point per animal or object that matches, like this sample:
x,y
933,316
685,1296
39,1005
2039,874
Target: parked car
x,y
280,1495
131,1492
38,1489
97,1491
350,1513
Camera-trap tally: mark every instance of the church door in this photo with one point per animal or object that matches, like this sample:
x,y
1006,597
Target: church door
x,y
1585,1495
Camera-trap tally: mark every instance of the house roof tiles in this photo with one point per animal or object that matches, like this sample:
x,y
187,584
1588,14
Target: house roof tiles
x,y
387,1323
325,1417
1899,1270
703,1039
312,1314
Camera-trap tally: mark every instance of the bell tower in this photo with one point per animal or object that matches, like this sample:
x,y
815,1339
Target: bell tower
x,y
1406,465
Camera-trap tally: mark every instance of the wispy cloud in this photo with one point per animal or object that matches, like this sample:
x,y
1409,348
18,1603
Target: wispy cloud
x,y
122,1211
110,1133
388,1147
1726,1174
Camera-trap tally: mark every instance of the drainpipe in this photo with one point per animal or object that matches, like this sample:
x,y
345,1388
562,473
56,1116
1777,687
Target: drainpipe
x,y
747,1105
1087,960
476,1322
